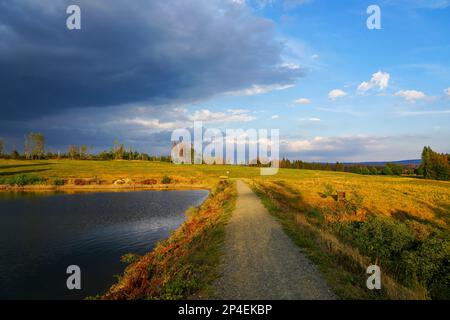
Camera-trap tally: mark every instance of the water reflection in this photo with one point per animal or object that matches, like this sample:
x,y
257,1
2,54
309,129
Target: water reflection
x,y
43,233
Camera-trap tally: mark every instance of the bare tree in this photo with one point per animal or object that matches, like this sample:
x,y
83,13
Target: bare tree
x,y
2,146
38,145
119,150
83,152
27,146
72,152
34,145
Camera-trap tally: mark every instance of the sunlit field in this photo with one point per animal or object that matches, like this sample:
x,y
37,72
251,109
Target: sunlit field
x,y
400,223
424,199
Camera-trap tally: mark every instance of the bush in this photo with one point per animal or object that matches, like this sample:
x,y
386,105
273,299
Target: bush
x,y
22,180
429,264
316,215
387,171
350,206
329,190
395,169
356,202
166,180
383,238
415,255
130,258
58,182
149,182
356,169
80,182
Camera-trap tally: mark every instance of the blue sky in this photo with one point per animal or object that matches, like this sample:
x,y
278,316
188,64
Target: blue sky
x,y
339,52
311,68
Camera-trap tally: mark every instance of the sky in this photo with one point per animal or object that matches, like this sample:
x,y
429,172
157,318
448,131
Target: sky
x,y
137,70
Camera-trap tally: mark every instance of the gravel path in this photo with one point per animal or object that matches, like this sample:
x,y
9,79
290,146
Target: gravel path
x,y
261,262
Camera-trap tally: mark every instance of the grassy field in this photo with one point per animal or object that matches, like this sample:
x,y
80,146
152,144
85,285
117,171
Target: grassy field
x,y
108,171
393,196
399,223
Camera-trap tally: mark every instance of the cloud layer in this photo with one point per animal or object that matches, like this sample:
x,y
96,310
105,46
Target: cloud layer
x,y
152,52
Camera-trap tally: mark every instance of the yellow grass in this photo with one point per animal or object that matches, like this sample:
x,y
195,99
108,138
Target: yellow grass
x,y
424,199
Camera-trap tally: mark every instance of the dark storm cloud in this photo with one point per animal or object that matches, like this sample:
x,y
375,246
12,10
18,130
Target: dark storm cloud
x,y
154,52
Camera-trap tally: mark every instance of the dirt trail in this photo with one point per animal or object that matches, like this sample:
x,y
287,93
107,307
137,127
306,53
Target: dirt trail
x,y
260,261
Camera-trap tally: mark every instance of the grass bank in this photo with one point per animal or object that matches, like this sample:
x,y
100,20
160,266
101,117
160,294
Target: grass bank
x,y
414,256
185,265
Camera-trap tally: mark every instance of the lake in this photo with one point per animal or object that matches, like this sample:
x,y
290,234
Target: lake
x,y
41,234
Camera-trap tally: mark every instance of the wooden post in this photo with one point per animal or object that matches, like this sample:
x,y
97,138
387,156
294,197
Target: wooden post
x,y
341,195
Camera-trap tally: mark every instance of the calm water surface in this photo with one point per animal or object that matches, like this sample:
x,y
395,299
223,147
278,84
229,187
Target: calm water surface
x,y
42,234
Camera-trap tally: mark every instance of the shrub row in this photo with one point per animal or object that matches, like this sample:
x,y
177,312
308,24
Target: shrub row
x,y
413,258
22,180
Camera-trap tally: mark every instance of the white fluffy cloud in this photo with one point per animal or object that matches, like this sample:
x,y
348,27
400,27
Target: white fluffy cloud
x,y
379,80
447,92
155,124
411,95
231,115
302,101
331,143
336,93
257,89
181,117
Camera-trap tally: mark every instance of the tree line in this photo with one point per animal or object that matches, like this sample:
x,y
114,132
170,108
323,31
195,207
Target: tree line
x,y
34,149
434,166
388,169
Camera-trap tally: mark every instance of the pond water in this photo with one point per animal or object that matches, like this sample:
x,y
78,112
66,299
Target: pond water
x,y
42,234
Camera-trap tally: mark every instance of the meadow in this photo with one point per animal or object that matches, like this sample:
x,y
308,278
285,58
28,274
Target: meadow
x,y
399,223
426,200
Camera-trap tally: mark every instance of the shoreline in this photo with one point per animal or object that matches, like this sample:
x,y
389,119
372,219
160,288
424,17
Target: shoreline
x,y
103,188
196,243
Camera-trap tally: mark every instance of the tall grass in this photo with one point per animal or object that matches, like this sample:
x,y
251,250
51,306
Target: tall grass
x,y
343,254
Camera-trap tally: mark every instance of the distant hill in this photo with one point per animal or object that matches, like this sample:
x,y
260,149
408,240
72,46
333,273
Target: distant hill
x,y
416,162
